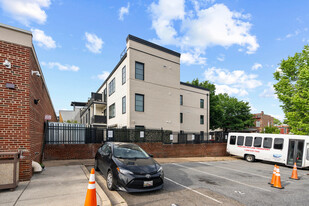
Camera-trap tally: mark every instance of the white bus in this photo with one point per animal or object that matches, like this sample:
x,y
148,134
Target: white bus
x,y
285,149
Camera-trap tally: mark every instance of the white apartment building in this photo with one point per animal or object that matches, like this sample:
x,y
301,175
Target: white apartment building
x,y
144,91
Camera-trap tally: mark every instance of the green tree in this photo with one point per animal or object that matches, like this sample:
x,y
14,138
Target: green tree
x,y
277,122
271,130
215,112
226,112
235,114
292,89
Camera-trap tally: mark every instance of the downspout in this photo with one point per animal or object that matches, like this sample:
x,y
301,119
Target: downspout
x,y
207,114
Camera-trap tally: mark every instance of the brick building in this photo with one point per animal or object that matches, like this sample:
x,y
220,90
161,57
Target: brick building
x,y
262,120
24,98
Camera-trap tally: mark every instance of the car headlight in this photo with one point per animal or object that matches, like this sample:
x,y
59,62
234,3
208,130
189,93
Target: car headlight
x,y
160,169
124,171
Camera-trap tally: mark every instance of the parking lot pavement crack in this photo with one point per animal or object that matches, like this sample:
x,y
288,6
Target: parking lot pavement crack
x,y
235,181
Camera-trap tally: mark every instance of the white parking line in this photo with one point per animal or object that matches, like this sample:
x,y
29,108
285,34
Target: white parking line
x,y
192,190
235,170
223,178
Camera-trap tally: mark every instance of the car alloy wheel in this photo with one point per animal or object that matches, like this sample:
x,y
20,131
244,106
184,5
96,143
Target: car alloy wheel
x,y
110,181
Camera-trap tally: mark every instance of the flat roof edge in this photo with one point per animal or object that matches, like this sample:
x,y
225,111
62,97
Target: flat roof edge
x,y
191,85
150,44
15,29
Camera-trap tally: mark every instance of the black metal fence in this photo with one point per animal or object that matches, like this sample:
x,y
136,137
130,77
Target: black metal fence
x,y
61,133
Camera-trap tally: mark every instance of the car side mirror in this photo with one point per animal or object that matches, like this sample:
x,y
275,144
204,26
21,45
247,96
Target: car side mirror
x,y
150,155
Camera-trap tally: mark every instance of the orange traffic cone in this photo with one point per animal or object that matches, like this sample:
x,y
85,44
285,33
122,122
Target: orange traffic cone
x,y
91,197
274,176
277,183
294,173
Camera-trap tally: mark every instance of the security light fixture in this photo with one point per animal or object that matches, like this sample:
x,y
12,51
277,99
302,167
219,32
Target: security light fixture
x,y
7,64
37,73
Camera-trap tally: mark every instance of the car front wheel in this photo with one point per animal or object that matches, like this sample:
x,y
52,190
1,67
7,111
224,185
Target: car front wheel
x,y
110,180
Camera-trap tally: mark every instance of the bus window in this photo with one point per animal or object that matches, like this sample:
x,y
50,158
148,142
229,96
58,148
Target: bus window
x,y
240,140
248,141
267,142
233,140
257,142
278,143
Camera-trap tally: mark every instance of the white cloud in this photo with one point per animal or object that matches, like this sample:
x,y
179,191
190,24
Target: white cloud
x,y
269,92
235,82
42,39
61,67
295,33
215,26
221,57
94,43
123,11
256,66
195,58
104,75
26,11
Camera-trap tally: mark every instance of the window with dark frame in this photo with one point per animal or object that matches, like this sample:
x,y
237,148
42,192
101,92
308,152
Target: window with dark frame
x,y
181,117
257,142
112,112
232,140
248,141
124,75
240,140
139,70
201,119
278,143
139,102
181,100
124,105
267,142
111,87
202,103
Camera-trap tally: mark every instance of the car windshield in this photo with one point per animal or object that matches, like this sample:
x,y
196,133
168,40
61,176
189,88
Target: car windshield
x,y
129,151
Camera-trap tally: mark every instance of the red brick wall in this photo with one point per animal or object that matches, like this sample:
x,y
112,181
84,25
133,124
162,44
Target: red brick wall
x,y
87,151
20,122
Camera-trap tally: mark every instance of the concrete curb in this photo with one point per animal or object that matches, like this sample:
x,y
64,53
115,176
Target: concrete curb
x,y
104,199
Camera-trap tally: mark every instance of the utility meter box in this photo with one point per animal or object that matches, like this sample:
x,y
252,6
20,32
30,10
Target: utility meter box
x,y
9,170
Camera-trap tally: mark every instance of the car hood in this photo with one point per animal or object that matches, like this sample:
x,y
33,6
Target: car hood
x,y
138,166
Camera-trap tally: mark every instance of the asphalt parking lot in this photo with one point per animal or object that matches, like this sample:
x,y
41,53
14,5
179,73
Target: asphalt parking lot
x,y
234,182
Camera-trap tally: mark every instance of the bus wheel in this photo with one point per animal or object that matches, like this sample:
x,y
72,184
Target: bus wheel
x,y
250,158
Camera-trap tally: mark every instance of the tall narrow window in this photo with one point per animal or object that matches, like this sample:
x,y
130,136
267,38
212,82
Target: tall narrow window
x,y
201,103
139,102
201,119
124,75
181,100
112,112
111,87
105,94
124,105
139,70
181,117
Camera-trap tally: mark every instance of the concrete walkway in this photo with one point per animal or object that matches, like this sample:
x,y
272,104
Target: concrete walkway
x,y
59,185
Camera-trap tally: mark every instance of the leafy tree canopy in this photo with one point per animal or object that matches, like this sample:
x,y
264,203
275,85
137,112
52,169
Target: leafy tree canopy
x,y
271,130
277,121
292,89
226,112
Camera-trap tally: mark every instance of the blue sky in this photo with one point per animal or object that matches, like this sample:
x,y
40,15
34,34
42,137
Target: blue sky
x,y
236,45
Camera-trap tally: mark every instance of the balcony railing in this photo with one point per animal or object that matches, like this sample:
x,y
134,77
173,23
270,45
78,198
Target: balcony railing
x,y
96,96
98,119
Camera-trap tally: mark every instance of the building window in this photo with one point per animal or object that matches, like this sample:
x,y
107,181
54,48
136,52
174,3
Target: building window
x,y
257,124
181,100
104,95
139,70
124,75
181,117
112,112
201,119
111,87
124,105
201,103
139,102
